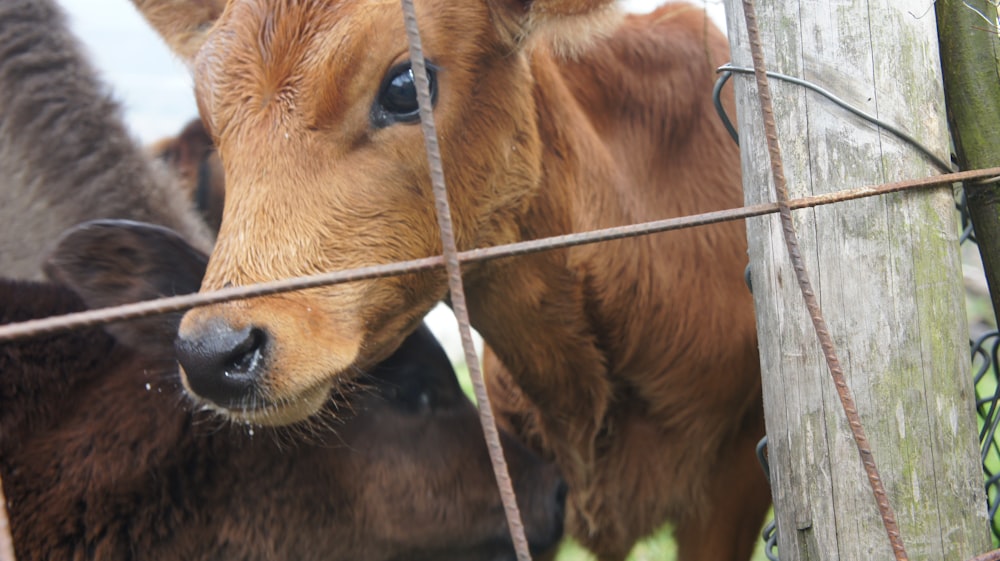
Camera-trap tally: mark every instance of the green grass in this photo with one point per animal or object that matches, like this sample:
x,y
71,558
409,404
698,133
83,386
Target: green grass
x,y
658,547
464,380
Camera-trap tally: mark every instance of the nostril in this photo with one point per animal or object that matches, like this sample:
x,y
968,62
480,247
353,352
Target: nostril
x,y
246,355
223,364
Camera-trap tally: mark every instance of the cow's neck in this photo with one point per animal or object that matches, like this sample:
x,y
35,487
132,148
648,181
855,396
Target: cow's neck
x,y
535,311
581,181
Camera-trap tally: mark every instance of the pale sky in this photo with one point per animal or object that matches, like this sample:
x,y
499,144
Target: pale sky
x,y
151,83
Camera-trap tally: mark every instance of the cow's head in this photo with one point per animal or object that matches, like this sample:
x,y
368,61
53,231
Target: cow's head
x,y
404,473
312,106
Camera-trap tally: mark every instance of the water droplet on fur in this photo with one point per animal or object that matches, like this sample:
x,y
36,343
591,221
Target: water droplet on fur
x,y
250,431
148,386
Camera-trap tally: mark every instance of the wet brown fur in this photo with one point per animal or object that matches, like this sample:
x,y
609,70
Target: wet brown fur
x,y
632,363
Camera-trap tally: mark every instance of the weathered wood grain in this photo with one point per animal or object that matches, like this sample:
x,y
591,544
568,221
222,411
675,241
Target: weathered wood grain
x,y
888,276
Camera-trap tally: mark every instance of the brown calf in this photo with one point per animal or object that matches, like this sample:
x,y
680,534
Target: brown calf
x,y
632,363
192,156
65,153
101,457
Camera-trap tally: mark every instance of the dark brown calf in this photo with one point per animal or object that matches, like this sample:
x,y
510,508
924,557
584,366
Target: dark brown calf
x,y
632,363
102,457
192,156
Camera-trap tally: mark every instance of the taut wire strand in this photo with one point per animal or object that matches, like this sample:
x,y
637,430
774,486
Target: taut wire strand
x,y
455,288
988,556
136,310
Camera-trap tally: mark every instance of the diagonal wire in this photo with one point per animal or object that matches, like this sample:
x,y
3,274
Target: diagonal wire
x,y
988,556
136,310
456,289
815,312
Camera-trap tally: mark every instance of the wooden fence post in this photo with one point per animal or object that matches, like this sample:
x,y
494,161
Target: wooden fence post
x,y
887,273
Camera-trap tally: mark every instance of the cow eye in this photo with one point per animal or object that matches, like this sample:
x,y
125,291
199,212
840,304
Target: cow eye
x,y
397,96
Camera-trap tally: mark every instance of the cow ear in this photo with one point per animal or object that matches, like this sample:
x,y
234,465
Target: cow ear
x,y
564,26
113,262
183,24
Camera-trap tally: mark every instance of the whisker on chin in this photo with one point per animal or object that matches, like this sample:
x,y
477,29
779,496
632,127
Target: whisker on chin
x,y
257,414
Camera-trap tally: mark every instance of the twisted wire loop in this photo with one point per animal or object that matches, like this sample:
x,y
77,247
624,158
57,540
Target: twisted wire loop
x,y
456,289
136,310
809,296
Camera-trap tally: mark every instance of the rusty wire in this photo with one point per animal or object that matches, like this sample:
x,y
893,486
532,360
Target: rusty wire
x,y
812,303
452,258
455,288
100,316
988,556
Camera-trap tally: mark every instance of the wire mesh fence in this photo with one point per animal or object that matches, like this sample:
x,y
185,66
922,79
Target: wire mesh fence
x,y
985,349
